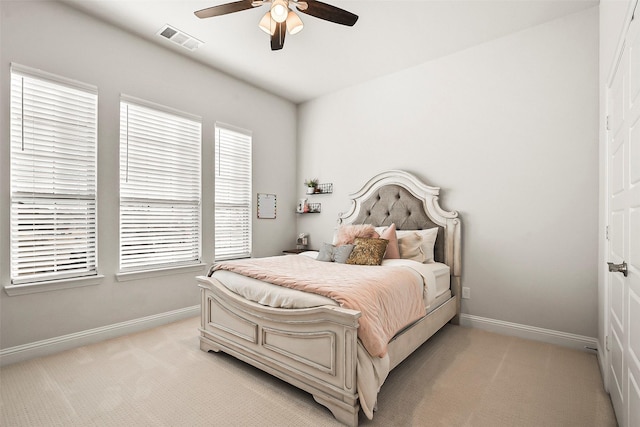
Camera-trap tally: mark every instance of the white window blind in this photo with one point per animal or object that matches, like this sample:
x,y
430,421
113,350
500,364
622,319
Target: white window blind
x,y
159,187
53,177
232,193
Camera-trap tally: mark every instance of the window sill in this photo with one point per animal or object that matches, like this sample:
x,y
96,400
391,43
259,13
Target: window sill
x,y
143,274
52,285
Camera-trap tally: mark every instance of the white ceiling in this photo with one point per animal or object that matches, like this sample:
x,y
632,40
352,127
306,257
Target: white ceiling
x,y
389,36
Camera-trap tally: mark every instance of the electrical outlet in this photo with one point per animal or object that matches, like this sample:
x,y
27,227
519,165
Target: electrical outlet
x,y
466,293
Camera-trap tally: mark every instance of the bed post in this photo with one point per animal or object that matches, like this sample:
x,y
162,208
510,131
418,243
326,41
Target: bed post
x,y
453,226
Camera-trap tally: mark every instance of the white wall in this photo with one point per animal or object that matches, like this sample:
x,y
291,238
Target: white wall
x,y
52,37
509,130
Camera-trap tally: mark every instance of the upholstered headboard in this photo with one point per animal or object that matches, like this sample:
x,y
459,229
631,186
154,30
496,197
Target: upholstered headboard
x,y
394,204
401,198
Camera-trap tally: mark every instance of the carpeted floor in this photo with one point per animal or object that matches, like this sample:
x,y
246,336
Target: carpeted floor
x,y
460,377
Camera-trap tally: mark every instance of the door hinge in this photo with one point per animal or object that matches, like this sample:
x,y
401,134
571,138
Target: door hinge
x,y
607,123
606,232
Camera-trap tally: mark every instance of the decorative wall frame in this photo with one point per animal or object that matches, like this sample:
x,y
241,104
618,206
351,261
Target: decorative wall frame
x,y
266,206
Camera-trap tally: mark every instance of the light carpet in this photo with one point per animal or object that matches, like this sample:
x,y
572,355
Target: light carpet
x,y
460,377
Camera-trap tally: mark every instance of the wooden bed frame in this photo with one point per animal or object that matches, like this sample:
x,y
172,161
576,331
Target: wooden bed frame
x,y
315,349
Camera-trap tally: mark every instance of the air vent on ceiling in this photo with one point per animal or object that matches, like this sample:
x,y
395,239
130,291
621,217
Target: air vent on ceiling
x,y
179,37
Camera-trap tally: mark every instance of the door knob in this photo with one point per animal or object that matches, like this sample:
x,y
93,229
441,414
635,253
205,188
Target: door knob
x,y
618,268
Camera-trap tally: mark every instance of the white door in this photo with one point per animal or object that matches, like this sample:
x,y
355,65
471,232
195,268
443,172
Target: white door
x,y
623,174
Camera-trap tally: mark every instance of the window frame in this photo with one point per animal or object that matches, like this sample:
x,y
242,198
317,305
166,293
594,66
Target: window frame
x,y
62,136
130,197
245,205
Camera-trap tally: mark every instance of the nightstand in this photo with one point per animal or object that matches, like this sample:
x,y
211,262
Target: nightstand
x,y
294,251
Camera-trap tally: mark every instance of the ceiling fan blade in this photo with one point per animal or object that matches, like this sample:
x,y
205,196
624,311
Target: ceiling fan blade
x,y
330,13
277,39
223,9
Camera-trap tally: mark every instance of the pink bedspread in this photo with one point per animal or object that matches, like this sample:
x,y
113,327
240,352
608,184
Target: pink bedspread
x,y
389,298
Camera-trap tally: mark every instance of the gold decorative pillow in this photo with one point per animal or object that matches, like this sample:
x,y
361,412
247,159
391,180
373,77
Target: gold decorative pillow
x,y
368,251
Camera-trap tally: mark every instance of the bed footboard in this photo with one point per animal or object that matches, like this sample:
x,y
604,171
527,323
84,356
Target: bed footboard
x,y
314,349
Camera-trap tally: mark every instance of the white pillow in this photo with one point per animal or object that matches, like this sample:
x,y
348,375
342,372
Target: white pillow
x,y
381,229
417,245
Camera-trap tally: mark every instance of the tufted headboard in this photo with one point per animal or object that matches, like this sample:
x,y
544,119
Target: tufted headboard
x,y
395,204
399,197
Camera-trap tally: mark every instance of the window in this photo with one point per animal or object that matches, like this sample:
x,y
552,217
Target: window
x,y
159,187
233,193
53,177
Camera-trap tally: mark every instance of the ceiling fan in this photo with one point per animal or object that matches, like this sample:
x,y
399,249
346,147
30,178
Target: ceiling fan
x,y
281,18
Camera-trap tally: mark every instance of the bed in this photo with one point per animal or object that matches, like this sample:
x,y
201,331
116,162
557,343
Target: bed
x,y
316,347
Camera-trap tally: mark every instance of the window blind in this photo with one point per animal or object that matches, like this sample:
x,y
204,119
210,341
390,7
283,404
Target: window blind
x,y
53,177
159,187
232,193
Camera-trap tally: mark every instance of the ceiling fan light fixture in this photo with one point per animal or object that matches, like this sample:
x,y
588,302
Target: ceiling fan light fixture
x,y
279,10
294,23
267,24
281,17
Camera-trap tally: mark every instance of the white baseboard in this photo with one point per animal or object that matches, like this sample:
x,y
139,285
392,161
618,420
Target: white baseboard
x,y
65,342
579,342
54,345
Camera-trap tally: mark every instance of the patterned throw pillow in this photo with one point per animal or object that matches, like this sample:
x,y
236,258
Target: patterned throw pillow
x,y
368,251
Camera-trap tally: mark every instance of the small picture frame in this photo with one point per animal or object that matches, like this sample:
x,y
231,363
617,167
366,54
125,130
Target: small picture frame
x,y
300,206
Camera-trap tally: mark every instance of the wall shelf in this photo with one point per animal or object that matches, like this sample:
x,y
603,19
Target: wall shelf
x,y
324,188
313,208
